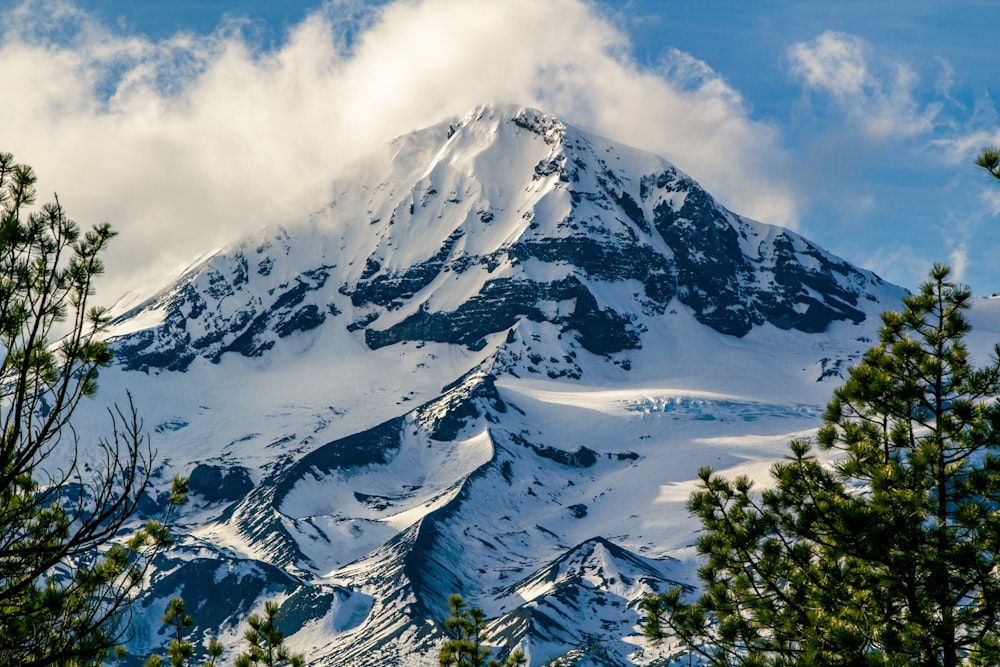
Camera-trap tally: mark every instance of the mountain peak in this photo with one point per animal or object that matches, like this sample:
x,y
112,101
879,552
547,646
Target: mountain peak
x,y
549,127
469,229
500,332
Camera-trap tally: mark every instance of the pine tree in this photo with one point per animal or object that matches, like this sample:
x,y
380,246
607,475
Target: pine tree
x,y
66,585
886,557
181,649
467,627
266,641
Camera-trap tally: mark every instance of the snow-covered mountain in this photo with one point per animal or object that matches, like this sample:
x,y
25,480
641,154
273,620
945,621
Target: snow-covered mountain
x,y
492,365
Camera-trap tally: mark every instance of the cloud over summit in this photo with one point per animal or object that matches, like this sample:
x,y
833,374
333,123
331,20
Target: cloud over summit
x,y
187,142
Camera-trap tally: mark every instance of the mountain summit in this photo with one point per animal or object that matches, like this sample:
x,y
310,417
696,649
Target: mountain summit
x,y
492,365
466,228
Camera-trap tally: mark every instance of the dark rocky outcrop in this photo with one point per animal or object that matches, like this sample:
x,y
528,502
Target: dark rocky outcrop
x,y
498,307
216,483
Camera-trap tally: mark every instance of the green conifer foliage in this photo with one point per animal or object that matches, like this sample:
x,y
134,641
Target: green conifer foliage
x,y
467,629
887,556
181,650
65,583
989,159
266,641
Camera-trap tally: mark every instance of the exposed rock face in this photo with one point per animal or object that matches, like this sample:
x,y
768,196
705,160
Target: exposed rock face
x,y
215,483
499,306
216,310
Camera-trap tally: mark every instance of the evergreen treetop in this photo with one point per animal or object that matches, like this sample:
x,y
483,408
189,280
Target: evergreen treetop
x,y
885,557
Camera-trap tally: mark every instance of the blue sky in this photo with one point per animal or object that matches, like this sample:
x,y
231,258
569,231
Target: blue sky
x,y
186,124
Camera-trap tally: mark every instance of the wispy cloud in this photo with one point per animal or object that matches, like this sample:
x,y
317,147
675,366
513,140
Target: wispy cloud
x,y
187,142
902,263
877,94
890,136
962,147
991,198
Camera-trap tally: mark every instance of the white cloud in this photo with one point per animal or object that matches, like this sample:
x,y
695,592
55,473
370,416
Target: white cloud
x,y
184,143
991,198
876,94
963,148
833,62
946,82
901,264
959,261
